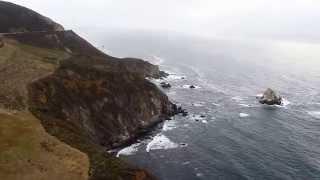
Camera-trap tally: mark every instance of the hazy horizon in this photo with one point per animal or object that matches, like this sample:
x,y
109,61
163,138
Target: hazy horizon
x,y
288,20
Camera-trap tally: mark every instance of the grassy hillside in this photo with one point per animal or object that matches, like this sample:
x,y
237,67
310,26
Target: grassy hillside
x,y
27,152
19,65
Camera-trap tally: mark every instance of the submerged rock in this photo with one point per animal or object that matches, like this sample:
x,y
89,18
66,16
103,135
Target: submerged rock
x,y
270,97
165,85
179,110
185,113
163,74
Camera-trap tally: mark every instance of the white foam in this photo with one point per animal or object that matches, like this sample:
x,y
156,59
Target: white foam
x,y
169,125
129,150
155,81
197,117
315,114
204,121
237,98
186,163
161,142
285,102
198,104
243,115
244,105
215,104
173,76
259,95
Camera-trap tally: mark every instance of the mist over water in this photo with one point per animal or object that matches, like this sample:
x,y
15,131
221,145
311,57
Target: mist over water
x,y
228,135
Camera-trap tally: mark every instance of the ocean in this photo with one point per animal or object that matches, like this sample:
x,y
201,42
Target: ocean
x,y
228,135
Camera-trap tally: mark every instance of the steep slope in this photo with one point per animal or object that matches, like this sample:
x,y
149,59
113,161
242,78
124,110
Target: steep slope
x,y
15,18
28,152
85,98
109,107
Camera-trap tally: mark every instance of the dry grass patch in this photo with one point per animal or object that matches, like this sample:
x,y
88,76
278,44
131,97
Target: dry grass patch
x,y
27,152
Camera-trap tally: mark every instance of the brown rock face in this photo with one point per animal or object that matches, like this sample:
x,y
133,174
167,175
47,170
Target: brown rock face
x,y
108,107
94,107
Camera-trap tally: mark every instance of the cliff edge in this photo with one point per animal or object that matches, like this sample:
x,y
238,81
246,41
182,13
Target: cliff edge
x,y
15,18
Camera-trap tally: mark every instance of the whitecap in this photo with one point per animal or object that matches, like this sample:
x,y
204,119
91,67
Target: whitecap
x,y
198,104
204,121
154,81
199,174
197,117
161,142
169,125
129,150
244,105
215,104
186,163
237,98
259,95
173,76
243,115
285,102
315,114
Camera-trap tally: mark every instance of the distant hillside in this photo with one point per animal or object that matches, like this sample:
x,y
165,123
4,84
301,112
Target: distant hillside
x,y
15,18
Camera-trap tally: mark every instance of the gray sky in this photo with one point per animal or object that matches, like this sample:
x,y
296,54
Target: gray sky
x,y
288,19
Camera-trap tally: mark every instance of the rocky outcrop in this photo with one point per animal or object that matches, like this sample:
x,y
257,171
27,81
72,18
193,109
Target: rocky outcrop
x,y
110,108
270,97
165,85
15,18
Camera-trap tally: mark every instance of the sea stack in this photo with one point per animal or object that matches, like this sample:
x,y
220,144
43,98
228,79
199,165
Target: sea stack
x,y
270,97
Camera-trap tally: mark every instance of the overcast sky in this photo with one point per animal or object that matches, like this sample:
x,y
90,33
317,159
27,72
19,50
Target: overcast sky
x,y
292,19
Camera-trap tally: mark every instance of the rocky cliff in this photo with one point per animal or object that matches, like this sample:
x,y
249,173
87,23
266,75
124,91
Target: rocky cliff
x,y
89,101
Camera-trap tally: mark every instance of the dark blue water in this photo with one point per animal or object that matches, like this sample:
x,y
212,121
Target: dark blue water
x,y
236,138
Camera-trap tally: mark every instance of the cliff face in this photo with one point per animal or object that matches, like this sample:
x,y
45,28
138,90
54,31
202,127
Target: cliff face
x,y
85,98
108,107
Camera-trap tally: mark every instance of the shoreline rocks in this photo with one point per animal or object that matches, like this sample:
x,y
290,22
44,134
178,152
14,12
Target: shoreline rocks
x,y
179,110
165,85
